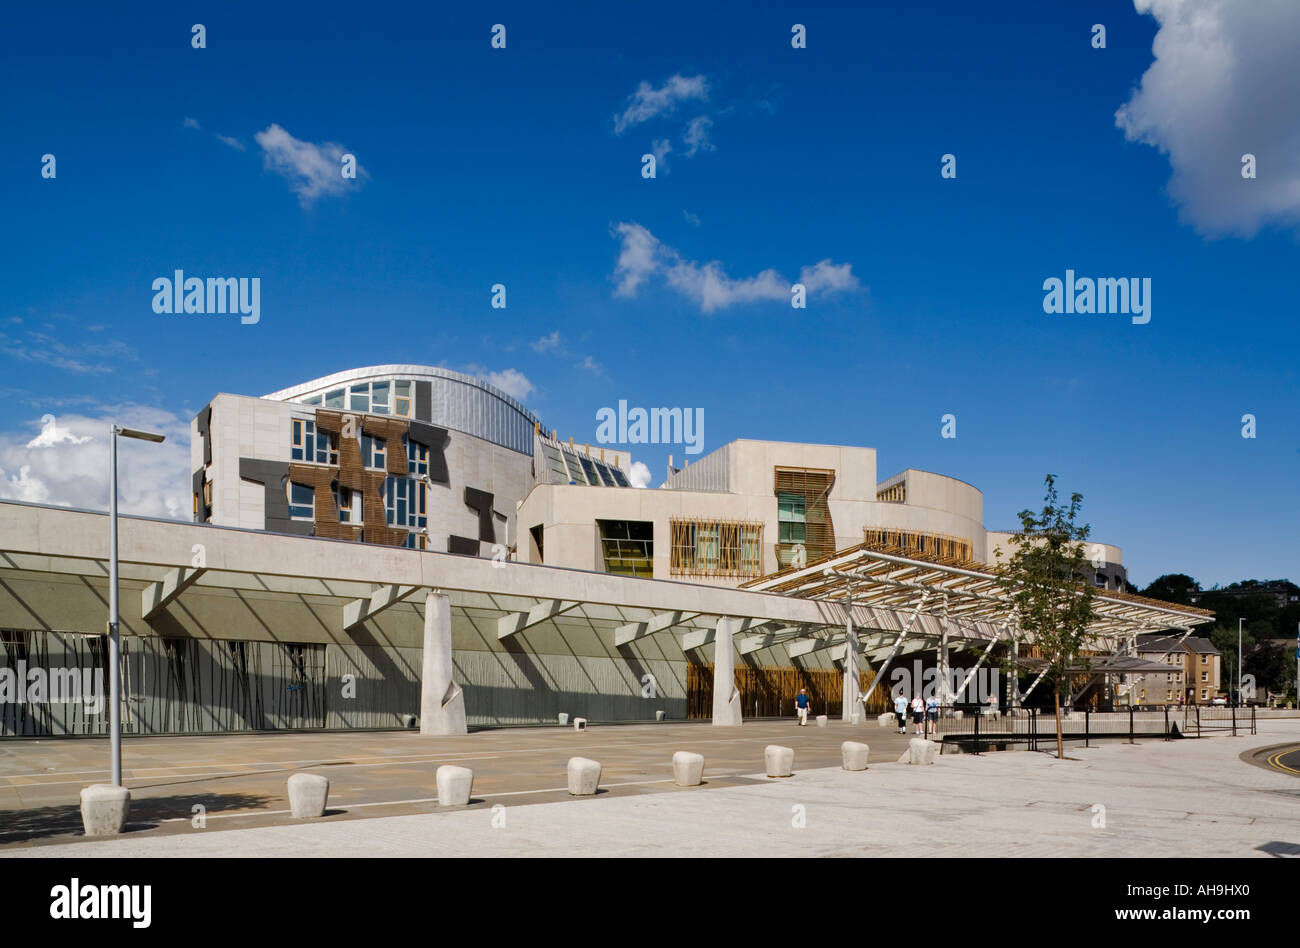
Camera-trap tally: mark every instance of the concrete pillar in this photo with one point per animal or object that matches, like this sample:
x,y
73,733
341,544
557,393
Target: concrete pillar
x,y
850,705
945,692
1013,687
726,697
442,703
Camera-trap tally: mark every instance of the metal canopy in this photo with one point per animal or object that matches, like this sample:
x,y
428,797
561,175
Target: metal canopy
x,y
873,577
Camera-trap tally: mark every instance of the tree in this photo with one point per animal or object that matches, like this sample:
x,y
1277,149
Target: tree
x,y
1173,587
1044,575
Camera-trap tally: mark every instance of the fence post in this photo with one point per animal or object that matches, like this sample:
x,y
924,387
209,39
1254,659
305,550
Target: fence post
x,y
977,734
1130,724
1087,726
1167,723
1198,721
1234,720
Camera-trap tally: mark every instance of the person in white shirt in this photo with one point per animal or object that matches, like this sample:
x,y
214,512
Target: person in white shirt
x,y
918,713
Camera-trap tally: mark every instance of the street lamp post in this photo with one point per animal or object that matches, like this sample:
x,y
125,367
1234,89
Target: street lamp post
x,y
114,663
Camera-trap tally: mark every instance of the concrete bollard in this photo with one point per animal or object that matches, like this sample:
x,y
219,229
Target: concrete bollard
x,y
921,751
779,760
410,720
564,719
584,776
103,809
454,785
688,769
854,754
822,720
887,720
579,724
660,715
307,795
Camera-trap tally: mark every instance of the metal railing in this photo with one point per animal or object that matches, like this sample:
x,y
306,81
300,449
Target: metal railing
x,y
977,732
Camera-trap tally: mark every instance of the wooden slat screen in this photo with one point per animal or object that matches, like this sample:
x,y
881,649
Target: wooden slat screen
x,y
770,692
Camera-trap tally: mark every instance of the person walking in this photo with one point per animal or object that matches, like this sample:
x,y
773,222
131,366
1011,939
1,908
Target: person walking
x,y
932,715
918,713
900,709
801,707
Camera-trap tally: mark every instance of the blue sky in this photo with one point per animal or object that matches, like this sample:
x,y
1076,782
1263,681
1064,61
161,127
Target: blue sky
x,y
522,166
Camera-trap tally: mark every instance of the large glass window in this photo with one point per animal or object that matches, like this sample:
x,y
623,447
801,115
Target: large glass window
x,y
628,547
302,502
379,397
406,503
334,399
348,502
308,444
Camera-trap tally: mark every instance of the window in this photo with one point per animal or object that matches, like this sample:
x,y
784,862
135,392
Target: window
x,y
628,547
417,457
302,502
372,452
313,400
359,399
791,518
379,397
406,503
715,548
1205,676
313,446
402,399
334,399
1204,693
1205,660
348,502
416,541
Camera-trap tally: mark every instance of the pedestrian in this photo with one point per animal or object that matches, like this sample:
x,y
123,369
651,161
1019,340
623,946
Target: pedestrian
x,y
918,712
801,706
932,714
900,709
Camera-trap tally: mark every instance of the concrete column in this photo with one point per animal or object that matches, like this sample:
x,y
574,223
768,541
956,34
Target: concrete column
x,y
944,690
850,704
1013,687
442,703
726,697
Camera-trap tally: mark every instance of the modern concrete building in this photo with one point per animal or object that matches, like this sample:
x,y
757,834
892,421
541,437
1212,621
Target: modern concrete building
x,y
403,543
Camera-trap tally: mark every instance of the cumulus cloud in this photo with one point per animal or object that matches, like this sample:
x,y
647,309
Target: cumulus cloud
x,y
312,170
512,382
648,102
639,475
66,464
643,256
1223,85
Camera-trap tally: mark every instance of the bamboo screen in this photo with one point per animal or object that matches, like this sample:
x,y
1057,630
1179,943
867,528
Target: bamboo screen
x,y
770,692
934,545
814,485
730,548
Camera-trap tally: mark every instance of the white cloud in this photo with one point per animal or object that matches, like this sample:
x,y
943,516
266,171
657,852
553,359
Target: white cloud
x,y
547,343
639,475
1223,85
190,123
312,170
647,102
697,135
661,147
692,219
67,463
643,256
78,356
234,143
512,382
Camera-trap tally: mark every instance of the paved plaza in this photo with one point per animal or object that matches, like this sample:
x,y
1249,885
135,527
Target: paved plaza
x,y
1206,798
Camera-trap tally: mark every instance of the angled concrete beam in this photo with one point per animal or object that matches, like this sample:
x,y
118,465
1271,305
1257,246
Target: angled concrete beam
x,y
155,597
639,630
807,646
517,622
753,643
382,597
699,637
